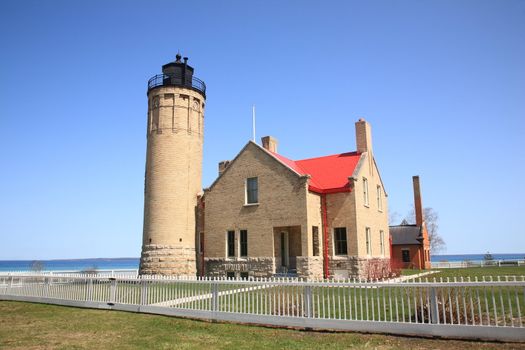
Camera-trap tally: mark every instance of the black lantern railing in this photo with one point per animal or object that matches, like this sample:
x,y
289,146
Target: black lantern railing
x,y
177,80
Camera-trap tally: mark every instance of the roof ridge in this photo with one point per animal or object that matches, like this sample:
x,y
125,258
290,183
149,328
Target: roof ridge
x,y
330,155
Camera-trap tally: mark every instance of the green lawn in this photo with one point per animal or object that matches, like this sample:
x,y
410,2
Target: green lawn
x,y
471,272
38,326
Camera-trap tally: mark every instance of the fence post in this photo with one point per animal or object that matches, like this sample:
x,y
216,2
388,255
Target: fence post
x,y
144,292
90,290
434,317
10,285
47,281
215,296
112,290
308,301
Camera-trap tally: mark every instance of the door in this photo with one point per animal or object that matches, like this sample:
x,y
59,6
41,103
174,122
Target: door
x,y
285,253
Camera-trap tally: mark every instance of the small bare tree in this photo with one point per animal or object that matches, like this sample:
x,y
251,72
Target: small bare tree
x,y
431,217
37,266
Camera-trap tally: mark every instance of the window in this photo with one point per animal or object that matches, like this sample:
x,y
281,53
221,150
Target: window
x,y
379,199
230,275
231,244
405,255
244,243
245,275
365,191
315,240
368,241
340,241
382,241
201,242
252,190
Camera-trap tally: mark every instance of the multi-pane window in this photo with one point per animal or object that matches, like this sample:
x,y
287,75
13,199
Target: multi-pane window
x,y
252,191
368,241
405,255
244,242
230,245
365,191
340,241
315,240
379,199
245,275
230,275
382,241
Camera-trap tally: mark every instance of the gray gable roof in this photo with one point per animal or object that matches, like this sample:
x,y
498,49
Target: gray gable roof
x,y
405,234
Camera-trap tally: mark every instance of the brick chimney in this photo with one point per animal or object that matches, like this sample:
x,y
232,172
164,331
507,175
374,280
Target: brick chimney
x,y
363,136
223,165
418,204
269,143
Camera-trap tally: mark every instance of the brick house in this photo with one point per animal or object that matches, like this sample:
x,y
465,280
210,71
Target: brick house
x,y
410,242
267,215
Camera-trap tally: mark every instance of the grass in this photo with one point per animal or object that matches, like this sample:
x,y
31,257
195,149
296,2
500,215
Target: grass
x,y
39,326
471,272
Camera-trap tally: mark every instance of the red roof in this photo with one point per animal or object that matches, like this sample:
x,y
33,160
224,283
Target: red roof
x,y
329,174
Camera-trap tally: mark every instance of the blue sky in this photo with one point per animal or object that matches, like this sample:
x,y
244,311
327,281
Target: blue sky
x,y
441,82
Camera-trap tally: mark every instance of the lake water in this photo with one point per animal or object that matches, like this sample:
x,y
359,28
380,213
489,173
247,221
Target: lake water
x,y
72,264
133,263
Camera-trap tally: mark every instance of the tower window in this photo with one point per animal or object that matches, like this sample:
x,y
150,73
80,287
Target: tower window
x,y
252,190
230,244
365,191
382,242
341,246
368,241
244,243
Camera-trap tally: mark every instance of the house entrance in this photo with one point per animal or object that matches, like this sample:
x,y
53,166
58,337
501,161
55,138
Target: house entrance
x,y
287,247
285,251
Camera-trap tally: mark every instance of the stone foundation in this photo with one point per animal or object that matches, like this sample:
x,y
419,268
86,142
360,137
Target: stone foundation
x,y
167,260
310,267
356,267
254,267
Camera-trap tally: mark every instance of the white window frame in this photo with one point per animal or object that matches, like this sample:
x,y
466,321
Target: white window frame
x,y
335,243
365,192
379,198
246,203
368,241
382,241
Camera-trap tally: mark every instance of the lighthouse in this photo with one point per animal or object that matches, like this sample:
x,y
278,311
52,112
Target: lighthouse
x,y
175,133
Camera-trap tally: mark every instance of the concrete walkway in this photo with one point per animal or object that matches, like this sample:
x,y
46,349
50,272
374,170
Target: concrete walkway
x,y
410,277
179,301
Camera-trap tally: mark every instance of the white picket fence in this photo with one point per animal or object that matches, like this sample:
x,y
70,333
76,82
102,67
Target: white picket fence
x,y
475,263
489,308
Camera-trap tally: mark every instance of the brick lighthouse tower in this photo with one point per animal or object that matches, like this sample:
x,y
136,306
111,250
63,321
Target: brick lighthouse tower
x,y
173,170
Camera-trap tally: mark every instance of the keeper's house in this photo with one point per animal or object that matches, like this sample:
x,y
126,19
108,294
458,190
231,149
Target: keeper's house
x,y
267,215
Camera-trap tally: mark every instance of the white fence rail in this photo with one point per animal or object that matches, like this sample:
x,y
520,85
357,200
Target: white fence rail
x,y
492,308
475,263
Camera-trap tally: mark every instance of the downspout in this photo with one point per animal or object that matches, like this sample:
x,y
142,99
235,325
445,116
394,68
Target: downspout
x,y
391,252
325,236
202,241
